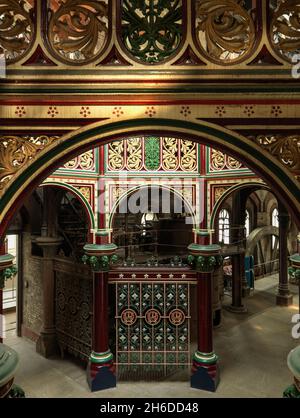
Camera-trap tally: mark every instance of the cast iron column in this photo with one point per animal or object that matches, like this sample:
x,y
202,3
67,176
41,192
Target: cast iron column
x,y
101,370
238,259
205,373
283,297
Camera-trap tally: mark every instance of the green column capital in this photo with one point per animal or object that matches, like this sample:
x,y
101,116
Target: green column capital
x,y
7,268
100,257
205,258
293,362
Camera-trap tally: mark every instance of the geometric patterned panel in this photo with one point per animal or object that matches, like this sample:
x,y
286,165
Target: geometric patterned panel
x,y
152,326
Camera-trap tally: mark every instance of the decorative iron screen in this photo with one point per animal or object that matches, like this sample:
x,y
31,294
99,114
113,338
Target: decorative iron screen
x,y
152,324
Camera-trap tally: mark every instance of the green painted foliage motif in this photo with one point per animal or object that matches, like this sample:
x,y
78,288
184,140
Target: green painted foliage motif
x,y
152,153
152,29
7,274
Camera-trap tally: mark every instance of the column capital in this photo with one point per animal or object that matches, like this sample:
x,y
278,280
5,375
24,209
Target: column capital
x,y
205,258
49,245
100,257
294,270
7,268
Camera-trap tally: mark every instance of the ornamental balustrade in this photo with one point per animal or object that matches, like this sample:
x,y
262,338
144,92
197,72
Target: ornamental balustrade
x,y
134,33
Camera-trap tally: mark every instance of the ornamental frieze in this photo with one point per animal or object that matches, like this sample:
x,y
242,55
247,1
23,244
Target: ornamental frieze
x,y
17,152
173,34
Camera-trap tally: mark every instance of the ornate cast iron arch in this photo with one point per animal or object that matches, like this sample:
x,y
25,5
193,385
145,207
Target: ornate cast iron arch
x,y
80,197
46,159
136,188
228,192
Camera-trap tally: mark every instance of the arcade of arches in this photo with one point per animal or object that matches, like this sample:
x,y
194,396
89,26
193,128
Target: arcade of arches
x,y
150,192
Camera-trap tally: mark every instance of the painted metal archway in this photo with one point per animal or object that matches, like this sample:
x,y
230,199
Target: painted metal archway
x,y
45,161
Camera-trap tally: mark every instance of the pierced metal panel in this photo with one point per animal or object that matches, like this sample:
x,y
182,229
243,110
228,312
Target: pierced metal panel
x,y
152,328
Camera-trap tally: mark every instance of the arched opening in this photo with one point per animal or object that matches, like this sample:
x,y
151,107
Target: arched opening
x,y
147,216
152,224
266,166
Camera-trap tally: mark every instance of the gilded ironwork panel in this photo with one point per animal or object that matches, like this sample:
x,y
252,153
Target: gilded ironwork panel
x,y
170,154
285,149
85,162
220,161
17,28
188,159
134,158
78,29
116,155
225,29
285,27
17,152
152,30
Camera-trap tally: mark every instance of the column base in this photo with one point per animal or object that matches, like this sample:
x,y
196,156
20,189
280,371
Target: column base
x,y
101,372
236,309
284,300
46,345
205,372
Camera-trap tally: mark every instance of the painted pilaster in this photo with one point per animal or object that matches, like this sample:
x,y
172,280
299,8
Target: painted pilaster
x,y
205,373
47,344
239,288
283,297
101,370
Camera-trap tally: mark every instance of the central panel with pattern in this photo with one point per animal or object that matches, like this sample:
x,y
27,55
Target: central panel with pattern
x,y
152,323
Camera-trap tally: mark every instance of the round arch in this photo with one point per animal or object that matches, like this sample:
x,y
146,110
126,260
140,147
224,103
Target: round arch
x,y
99,133
80,197
135,188
260,233
255,185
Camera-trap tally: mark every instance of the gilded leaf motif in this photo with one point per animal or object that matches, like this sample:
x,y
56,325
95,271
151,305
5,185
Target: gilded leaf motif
x,y
78,29
16,28
170,154
134,154
116,158
16,152
225,29
285,27
188,155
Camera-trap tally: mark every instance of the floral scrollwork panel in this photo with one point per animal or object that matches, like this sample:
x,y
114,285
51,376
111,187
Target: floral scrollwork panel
x,y
78,29
188,155
72,164
84,162
170,154
233,164
116,158
217,160
16,152
285,27
225,30
285,149
17,28
134,154
152,30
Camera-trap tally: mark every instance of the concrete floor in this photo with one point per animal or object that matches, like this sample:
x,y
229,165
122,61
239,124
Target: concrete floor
x,y
252,347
